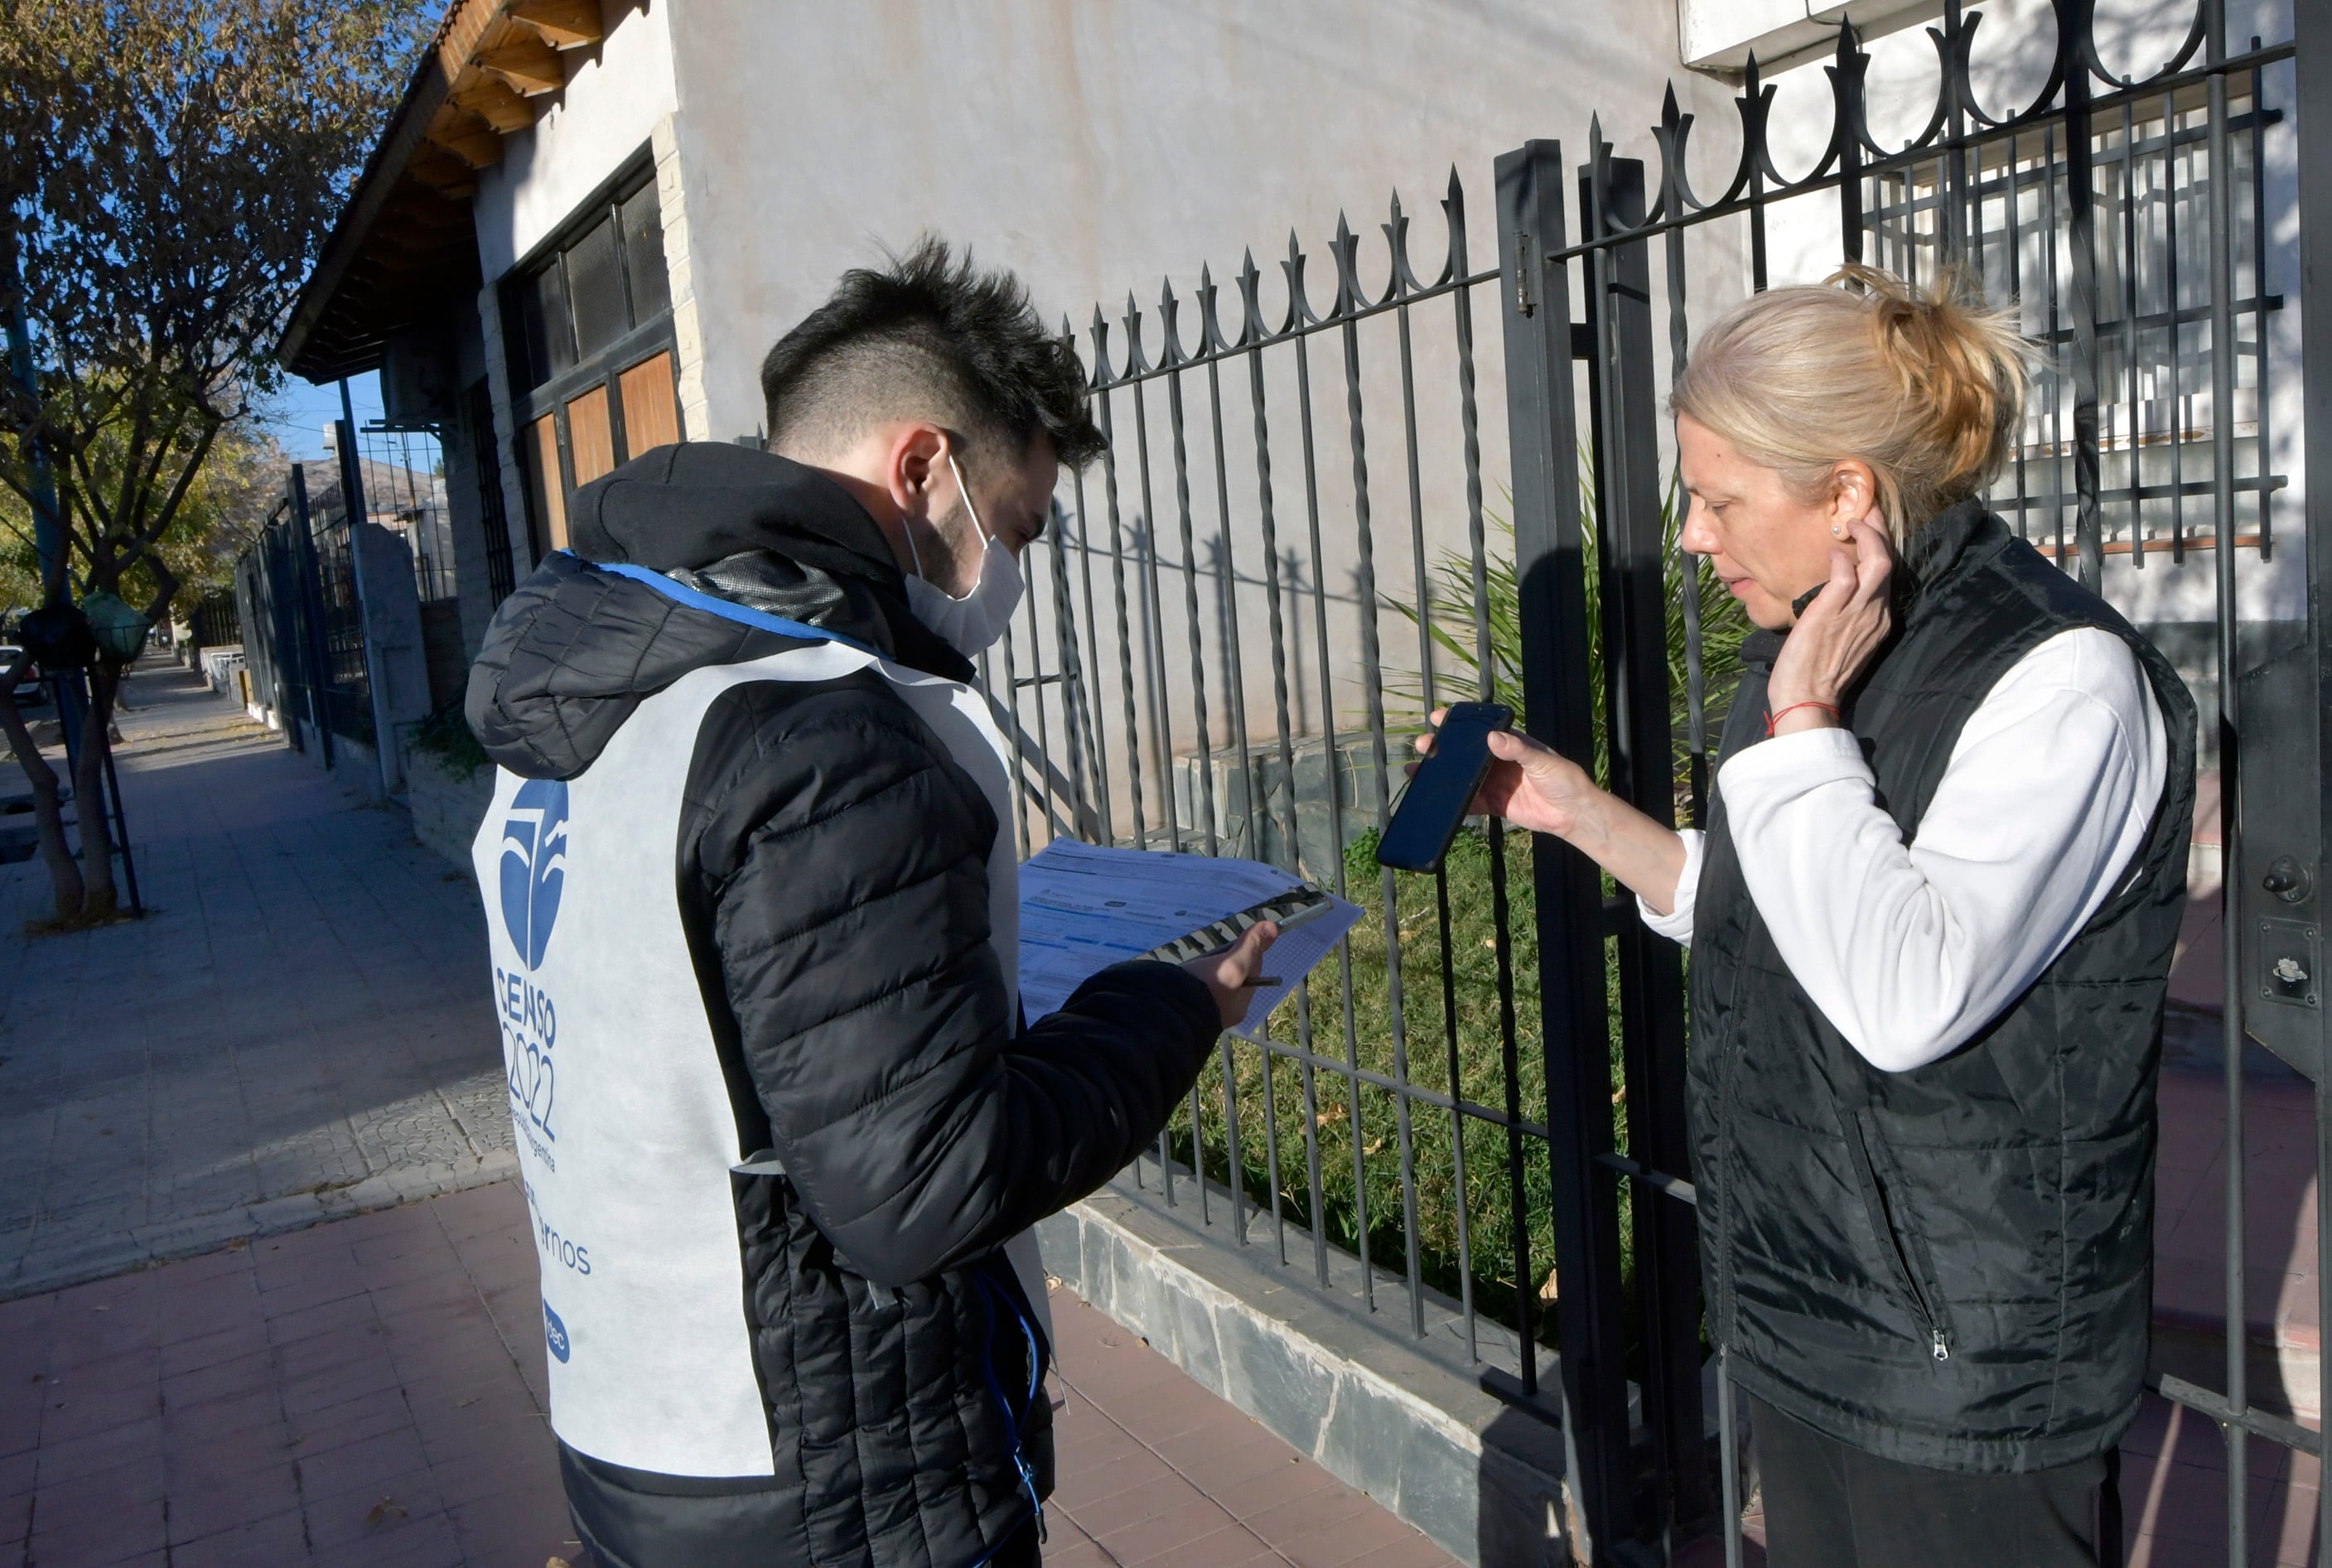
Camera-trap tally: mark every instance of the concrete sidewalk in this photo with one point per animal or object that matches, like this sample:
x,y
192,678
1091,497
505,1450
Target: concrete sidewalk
x,y
298,1033
371,1392
297,1029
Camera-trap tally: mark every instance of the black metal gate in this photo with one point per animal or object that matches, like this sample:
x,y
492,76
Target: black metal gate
x,y
302,625
1493,1068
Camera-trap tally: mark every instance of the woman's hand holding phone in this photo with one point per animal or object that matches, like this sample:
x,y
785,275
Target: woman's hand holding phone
x,y
1533,786
1529,785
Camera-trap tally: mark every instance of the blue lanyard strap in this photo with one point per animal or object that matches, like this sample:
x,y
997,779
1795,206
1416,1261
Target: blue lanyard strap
x,y
727,610
1012,1421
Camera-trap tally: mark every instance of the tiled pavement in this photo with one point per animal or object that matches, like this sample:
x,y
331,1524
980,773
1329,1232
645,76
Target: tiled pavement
x,y
298,1031
2279,1225
2174,1464
2173,1490
299,1028
370,1391
364,1392
1153,1468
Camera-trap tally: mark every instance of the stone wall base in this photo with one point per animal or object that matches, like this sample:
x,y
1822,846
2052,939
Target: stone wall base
x,y
446,808
1481,1478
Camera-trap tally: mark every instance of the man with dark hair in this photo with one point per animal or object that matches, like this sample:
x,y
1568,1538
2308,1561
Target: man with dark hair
x,y
754,921
934,331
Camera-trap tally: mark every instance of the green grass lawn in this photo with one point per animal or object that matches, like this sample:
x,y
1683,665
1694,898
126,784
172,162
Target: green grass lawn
x,y
1368,1137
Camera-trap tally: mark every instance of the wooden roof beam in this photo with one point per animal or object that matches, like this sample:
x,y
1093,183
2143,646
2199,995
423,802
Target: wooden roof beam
x,y
421,209
450,177
398,246
493,102
526,64
562,23
466,136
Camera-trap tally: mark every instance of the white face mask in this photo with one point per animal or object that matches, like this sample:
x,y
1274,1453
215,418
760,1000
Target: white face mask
x,y
969,624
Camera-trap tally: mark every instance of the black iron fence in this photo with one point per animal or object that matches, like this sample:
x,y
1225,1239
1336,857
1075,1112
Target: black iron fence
x,y
337,609
401,478
485,457
1301,540
215,621
303,624
1312,525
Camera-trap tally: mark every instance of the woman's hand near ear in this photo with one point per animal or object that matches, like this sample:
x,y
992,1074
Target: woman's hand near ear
x,y
1838,633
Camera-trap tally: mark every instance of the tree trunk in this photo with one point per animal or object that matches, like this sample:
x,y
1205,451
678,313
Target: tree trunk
x,y
98,898
48,809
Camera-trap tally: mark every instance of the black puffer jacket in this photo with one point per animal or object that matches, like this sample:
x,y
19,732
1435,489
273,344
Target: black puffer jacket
x,y
832,865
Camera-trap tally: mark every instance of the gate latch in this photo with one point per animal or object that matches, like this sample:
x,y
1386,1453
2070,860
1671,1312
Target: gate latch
x,y
2285,957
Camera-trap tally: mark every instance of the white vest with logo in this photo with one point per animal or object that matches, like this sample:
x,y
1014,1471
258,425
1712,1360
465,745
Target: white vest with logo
x,y
627,1137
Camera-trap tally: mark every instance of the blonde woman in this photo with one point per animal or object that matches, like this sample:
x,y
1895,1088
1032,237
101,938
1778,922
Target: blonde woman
x,y
1931,921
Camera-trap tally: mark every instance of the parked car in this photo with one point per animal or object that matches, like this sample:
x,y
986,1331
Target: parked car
x,y
31,691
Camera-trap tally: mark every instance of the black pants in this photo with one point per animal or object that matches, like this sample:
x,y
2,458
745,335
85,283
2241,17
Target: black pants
x,y
1828,1505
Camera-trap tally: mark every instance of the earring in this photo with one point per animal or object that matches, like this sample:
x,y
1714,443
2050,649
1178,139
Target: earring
x,y
1836,531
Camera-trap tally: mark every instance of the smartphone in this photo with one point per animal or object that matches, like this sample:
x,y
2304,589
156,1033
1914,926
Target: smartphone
x,y
1441,791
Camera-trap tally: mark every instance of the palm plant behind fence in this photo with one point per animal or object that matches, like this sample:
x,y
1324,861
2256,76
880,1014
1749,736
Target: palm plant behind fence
x,y
1449,615
1450,1037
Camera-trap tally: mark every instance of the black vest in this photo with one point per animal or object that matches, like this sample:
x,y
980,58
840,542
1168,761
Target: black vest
x,y
1952,1266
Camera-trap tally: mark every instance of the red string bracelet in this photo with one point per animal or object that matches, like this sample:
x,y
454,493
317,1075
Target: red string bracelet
x,y
1774,718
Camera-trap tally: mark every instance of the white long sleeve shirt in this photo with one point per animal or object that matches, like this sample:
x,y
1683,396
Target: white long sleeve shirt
x,y
1909,948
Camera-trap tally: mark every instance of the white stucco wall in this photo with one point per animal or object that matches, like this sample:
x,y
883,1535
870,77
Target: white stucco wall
x,y
1722,33
1098,147
617,95
1095,145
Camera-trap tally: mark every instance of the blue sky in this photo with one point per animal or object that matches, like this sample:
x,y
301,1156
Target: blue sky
x,y
297,414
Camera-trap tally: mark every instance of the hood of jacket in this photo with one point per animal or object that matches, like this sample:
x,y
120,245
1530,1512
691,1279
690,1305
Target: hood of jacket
x,y
575,648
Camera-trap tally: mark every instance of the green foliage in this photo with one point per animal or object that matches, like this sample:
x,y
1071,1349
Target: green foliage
x,y
1429,1046
226,505
171,170
225,509
1449,615
20,565
1450,1028
445,734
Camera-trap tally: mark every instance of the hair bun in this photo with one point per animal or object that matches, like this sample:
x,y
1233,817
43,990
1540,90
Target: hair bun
x,y
1926,386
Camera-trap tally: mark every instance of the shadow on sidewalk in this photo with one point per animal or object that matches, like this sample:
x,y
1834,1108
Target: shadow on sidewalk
x,y
301,1028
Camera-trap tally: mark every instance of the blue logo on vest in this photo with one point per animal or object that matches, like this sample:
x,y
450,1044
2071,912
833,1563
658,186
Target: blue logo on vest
x,y
534,865
555,1332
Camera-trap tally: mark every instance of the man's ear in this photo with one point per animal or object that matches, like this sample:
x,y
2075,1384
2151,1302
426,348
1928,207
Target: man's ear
x,y
915,458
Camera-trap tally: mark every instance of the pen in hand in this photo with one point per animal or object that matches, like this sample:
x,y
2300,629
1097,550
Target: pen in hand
x,y
1231,973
